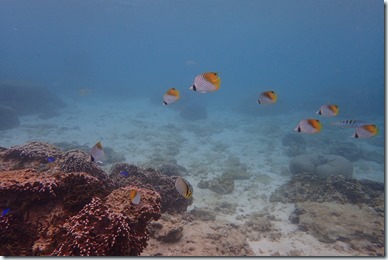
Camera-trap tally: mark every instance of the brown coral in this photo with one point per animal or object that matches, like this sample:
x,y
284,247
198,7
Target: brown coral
x,y
113,228
172,201
57,210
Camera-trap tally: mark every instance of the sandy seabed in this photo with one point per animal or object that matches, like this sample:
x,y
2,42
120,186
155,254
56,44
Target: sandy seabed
x,y
140,131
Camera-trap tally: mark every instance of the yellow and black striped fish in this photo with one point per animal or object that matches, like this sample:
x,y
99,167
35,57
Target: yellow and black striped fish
x,y
349,123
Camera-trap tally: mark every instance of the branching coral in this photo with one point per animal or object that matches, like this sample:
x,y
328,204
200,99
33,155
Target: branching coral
x,y
98,229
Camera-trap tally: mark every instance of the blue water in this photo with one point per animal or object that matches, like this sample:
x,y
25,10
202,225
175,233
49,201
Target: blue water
x,y
111,61
310,52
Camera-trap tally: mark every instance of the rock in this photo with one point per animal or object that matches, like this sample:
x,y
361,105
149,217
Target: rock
x,y
27,99
361,227
203,214
307,187
172,236
226,207
321,165
8,118
222,185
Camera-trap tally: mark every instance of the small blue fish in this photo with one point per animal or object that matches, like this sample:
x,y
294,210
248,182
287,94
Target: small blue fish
x,y
5,212
50,159
125,173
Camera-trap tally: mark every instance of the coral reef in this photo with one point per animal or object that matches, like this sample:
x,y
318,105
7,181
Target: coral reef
x,y
78,161
113,228
306,187
8,118
110,155
151,179
359,226
77,212
26,99
321,165
23,155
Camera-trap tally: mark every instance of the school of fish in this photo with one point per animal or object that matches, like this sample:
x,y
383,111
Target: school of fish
x,y
210,82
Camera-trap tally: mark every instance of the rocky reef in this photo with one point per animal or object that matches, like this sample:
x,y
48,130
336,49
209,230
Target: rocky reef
x,y
20,98
28,99
60,203
337,208
321,165
124,174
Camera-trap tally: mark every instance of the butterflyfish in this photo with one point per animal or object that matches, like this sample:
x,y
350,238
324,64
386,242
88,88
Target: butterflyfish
x,y
267,97
97,153
328,110
184,187
309,126
349,123
365,131
135,195
170,96
206,82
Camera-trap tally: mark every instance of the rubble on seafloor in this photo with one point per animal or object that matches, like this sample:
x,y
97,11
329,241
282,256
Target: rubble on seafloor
x,y
337,208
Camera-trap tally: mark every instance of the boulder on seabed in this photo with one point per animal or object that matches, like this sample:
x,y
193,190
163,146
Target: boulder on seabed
x,y
321,165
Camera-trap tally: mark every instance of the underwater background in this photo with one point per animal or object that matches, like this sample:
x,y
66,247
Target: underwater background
x,y
73,73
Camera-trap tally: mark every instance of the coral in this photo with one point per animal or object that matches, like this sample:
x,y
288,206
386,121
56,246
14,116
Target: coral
x,y
151,179
321,165
33,185
50,210
33,151
306,187
110,155
78,161
8,118
111,228
16,236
